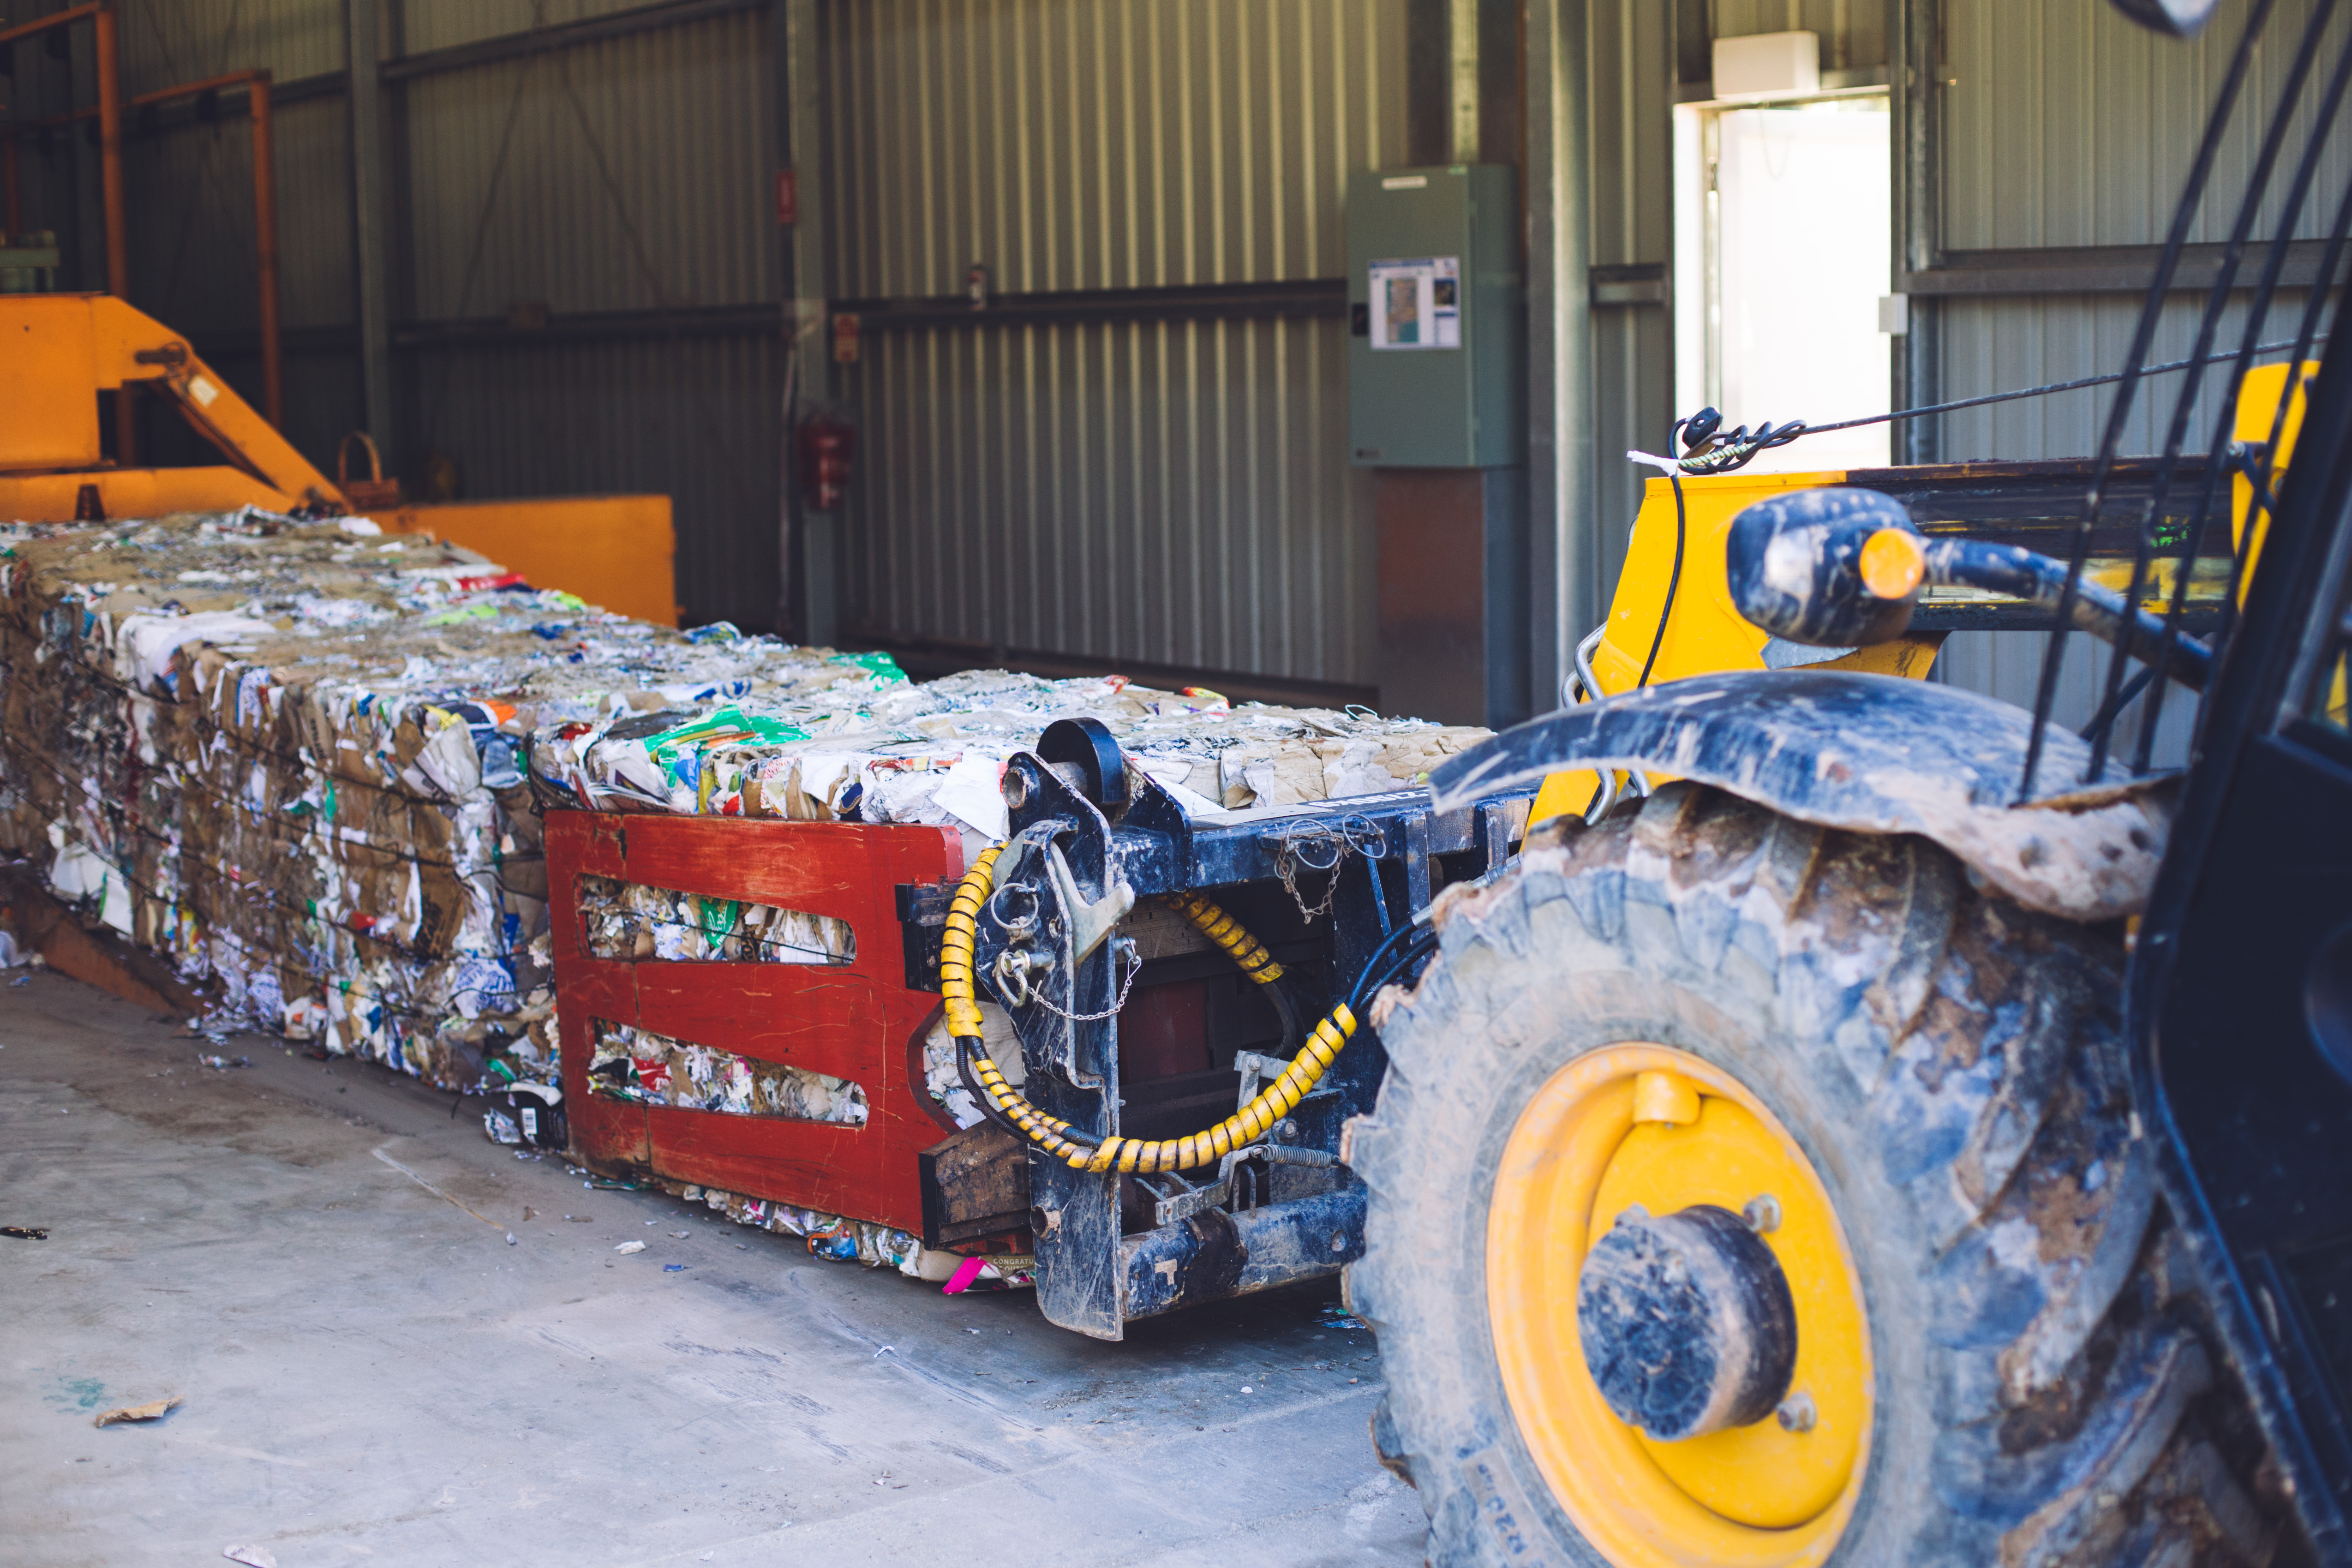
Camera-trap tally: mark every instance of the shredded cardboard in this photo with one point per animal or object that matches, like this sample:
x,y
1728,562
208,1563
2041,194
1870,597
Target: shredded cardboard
x,y
154,1410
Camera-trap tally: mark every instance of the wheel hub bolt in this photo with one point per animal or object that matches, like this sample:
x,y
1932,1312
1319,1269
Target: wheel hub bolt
x,y
1796,1413
1686,1322
1762,1213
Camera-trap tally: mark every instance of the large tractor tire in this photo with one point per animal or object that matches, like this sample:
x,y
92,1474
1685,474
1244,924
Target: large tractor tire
x,y
1699,1025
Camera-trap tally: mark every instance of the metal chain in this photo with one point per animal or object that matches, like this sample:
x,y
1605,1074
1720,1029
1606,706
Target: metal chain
x,y
1354,832
1134,968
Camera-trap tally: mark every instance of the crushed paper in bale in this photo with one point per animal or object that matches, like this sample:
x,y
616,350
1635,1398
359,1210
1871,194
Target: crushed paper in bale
x,y
307,764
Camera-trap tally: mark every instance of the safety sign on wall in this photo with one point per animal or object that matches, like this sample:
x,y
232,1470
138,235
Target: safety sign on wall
x,y
1417,303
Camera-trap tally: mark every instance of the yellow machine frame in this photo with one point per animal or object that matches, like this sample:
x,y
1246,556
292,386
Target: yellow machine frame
x,y
1705,631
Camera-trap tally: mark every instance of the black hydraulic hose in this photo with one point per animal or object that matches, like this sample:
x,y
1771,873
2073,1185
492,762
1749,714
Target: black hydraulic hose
x,y
1418,942
2045,696
1674,581
966,1051
2017,572
2105,717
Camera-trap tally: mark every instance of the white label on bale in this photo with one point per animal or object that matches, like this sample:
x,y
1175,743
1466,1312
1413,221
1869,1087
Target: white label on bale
x,y
529,1123
202,391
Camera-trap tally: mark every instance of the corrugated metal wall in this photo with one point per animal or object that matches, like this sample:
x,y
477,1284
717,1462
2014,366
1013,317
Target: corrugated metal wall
x,y
2057,124
187,40
188,193
2066,125
627,176
1175,492
630,175
1631,56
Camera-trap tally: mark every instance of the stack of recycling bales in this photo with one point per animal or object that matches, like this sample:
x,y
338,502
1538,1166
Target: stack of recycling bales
x,y
290,755
307,761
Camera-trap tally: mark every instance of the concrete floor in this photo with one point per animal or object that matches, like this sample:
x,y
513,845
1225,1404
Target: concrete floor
x,y
373,1374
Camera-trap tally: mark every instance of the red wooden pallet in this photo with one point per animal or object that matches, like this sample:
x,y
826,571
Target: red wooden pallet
x,y
856,1020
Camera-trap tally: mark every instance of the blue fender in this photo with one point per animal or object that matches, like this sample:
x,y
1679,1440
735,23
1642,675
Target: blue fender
x,y
1868,753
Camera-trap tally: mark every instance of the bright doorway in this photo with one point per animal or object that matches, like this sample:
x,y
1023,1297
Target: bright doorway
x,y
1783,245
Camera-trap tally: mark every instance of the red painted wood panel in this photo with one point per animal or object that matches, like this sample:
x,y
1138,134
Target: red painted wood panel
x,y
856,1020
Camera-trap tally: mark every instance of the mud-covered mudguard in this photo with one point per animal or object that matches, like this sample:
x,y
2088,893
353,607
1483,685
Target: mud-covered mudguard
x,y
1870,753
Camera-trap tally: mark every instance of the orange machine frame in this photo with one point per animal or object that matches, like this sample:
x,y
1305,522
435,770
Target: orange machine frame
x,y
61,351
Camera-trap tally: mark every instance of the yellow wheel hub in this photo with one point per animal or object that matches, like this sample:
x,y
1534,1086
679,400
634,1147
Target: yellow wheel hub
x,y
1642,1124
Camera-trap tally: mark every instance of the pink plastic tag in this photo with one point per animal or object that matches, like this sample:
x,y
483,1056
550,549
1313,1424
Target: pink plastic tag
x,y
966,1272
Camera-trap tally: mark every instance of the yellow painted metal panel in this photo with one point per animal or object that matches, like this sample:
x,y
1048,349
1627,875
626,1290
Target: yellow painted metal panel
x,y
134,492
49,387
617,552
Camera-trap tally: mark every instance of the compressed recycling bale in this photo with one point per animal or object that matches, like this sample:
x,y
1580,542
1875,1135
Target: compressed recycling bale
x,y
306,761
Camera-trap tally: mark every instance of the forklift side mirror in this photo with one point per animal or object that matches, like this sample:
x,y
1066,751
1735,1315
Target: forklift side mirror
x,y
1828,568
2182,18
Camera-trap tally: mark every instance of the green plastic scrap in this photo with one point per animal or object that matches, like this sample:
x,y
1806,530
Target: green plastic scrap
x,y
717,917
881,666
728,723
470,613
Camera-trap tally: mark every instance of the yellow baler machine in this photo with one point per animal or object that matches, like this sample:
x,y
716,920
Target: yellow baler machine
x,y
62,352
2034,503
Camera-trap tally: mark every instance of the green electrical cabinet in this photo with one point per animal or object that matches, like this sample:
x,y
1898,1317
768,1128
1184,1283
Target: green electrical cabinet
x,y
1437,318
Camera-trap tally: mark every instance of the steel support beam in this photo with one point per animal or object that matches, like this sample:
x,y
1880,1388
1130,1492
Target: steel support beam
x,y
370,240
2101,269
812,543
1562,546
1912,34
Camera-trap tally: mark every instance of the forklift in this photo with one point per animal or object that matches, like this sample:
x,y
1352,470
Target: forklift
x,y
1916,1133
1854,1121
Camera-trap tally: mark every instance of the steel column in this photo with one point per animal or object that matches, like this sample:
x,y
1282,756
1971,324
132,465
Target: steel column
x,y
1563,560
811,545
1911,47
370,256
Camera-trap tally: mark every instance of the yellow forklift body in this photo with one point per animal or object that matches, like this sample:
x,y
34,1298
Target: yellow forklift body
x,y
1704,632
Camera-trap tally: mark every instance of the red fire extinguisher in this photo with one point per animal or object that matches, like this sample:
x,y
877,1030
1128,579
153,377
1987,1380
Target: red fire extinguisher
x,y
826,445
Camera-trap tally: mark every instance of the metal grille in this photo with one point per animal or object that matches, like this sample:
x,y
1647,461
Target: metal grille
x,y
2274,187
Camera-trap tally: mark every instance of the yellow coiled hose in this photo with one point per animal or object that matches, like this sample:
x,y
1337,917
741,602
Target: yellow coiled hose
x,y
1242,1128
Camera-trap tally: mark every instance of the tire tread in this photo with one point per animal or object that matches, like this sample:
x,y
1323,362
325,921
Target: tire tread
x,y
1978,1048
